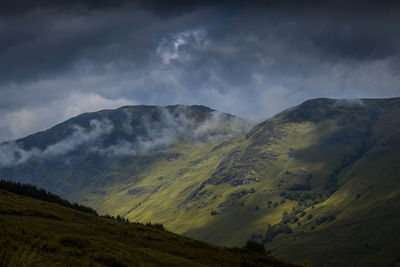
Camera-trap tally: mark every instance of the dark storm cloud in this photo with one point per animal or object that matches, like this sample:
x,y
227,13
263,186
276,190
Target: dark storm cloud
x,y
251,58
13,7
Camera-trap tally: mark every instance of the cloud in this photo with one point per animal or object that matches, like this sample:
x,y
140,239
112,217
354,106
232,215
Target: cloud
x,y
80,136
250,59
11,153
348,103
173,127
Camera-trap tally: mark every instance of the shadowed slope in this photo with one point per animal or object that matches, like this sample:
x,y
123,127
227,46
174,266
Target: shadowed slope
x,y
39,233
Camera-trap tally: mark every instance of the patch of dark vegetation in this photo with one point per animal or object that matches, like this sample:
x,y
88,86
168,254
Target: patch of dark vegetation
x,y
242,193
323,219
300,187
270,155
137,191
119,218
172,156
245,181
158,226
156,189
195,162
290,173
255,247
237,180
182,172
306,199
203,194
292,216
274,230
41,194
221,145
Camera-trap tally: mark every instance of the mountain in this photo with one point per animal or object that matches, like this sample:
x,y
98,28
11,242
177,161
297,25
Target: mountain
x,y
39,233
318,182
110,147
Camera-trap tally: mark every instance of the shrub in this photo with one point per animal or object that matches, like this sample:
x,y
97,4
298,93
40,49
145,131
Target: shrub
x,y
158,226
276,229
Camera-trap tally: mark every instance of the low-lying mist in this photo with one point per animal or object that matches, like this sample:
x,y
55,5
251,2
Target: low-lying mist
x,y
131,136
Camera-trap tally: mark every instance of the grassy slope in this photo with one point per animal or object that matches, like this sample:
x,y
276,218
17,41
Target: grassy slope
x,y
38,233
366,206
321,143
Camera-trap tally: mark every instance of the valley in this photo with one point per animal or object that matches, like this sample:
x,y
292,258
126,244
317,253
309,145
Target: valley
x,y
316,183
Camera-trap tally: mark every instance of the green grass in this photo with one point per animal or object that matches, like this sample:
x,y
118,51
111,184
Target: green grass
x,y
82,239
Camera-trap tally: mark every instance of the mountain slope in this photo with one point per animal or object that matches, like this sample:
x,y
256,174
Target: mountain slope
x,y
39,233
314,182
359,219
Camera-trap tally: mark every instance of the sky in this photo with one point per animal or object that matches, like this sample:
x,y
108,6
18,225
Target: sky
x,y
252,59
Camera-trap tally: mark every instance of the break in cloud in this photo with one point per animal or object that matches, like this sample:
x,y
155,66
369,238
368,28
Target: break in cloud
x,y
249,58
181,46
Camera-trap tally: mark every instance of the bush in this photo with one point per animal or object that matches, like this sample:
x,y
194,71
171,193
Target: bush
x,y
325,219
158,226
276,229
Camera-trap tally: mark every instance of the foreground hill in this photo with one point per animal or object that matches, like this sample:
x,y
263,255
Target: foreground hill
x,y
319,181
39,233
